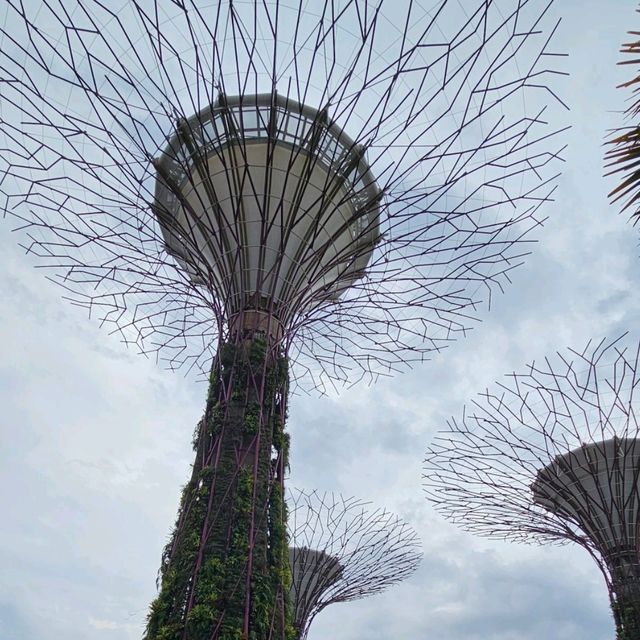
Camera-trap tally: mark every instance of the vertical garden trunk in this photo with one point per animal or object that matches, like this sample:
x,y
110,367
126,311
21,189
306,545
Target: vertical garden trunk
x,y
626,611
225,573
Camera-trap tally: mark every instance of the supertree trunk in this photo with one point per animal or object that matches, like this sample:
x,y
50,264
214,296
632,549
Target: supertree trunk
x,y
625,604
225,571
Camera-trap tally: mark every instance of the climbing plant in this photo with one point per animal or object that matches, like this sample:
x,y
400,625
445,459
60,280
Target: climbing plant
x,y
225,572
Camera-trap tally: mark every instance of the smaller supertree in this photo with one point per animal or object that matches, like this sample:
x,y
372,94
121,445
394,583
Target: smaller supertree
x,y
342,550
554,456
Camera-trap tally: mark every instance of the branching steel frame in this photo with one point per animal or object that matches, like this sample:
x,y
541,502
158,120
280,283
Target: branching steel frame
x,y
553,455
341,549
448,103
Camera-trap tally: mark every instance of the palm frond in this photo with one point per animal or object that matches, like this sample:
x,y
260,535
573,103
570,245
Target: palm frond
x,y
623,152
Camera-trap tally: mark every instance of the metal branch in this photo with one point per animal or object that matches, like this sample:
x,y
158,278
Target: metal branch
x,y
433,97
341,549
553,455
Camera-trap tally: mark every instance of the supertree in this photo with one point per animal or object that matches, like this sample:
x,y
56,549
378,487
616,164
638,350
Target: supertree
x,y
231,185
553,455
341,549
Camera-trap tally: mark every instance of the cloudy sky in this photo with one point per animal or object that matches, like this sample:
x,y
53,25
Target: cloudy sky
x,y
96,439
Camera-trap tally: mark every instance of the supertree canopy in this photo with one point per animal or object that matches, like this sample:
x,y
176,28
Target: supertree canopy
x,y
237,185
553,455
426,120
341,549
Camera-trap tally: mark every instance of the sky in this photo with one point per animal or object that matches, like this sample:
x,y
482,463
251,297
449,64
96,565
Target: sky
x,y
96,439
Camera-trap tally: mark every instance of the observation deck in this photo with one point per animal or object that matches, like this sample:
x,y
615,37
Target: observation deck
x,y
267,203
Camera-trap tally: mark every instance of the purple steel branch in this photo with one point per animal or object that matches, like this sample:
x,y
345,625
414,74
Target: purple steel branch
x,y
341,549
432,95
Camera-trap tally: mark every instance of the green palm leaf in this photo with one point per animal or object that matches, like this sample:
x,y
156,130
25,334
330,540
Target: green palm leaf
x,y
623,153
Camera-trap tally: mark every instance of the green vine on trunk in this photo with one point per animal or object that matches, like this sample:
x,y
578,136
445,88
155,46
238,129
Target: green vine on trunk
x,y
626,613
203,577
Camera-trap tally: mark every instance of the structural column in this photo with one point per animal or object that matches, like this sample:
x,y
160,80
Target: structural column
x,y
225,572
625,601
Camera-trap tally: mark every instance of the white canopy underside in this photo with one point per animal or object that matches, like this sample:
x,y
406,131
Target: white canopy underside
x,y
312,574
597,486
270,224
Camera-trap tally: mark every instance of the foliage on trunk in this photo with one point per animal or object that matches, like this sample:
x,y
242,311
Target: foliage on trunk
x,y
626,613
225,572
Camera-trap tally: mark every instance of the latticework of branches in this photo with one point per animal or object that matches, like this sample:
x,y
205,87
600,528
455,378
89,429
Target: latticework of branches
x,y
550,455
434,97
342,549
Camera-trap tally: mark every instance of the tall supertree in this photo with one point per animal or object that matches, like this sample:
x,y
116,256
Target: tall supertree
x,y
553,455
341,549
235,185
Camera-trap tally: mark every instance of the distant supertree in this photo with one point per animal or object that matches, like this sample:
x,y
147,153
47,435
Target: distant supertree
x,y
342,549
553,455
230,184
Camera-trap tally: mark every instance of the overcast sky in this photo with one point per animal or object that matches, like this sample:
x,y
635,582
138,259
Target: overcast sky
x,y
96,439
